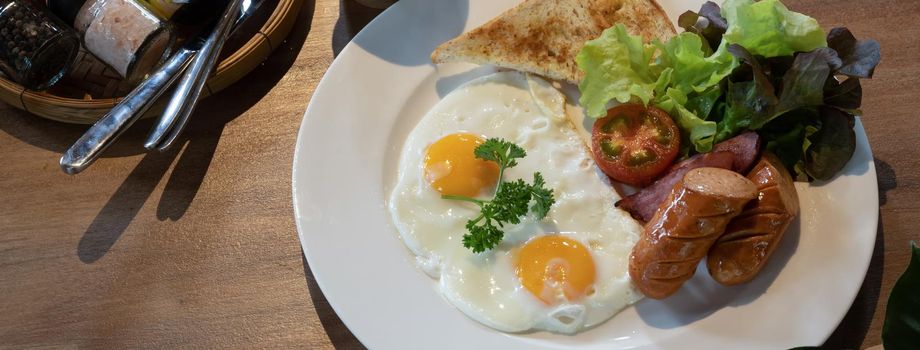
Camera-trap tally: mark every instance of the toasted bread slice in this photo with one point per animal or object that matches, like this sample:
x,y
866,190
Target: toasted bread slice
x,y
544,36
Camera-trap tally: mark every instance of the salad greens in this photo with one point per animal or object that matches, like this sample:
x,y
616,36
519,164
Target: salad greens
x,y
744,66
669,75
620,67
767,28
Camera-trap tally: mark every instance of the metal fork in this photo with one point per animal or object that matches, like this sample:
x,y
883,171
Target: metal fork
x,y
188,91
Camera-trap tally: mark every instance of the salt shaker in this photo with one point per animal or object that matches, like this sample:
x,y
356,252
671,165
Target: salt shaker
x,y
36,49
124,34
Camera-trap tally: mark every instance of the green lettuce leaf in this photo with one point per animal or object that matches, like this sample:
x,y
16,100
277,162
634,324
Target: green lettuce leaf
x,y
832,146
707,23
803,84
740,108
767,28
858,58
801,174
746,101
845,95
695,70
703,103
787,145
699,132
617,66
787,137
752,104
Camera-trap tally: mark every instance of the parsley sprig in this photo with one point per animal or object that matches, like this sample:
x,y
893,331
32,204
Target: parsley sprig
x,y
510,202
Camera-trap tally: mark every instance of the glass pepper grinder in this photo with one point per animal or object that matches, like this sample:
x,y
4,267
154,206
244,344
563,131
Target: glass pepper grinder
x,y
36,49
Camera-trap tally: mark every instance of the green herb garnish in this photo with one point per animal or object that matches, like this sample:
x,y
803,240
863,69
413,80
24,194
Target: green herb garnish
x,y
510,202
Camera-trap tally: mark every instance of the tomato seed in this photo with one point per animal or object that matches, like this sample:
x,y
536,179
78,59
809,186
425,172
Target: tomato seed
x,y
611,149
640,157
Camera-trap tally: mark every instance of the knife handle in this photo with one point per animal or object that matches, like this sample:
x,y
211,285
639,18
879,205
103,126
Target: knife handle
x,y
107,129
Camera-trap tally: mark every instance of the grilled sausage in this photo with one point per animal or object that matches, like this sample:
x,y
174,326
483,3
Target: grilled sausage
x,y
750,239
678,236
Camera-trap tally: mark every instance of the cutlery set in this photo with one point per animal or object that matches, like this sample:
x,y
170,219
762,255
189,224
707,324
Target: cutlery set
x,y
191,65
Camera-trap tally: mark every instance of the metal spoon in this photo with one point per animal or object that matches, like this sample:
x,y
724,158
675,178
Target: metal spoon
x,y
188,91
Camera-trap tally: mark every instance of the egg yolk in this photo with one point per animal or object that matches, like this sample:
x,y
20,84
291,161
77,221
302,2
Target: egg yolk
x,y
554,266
453,169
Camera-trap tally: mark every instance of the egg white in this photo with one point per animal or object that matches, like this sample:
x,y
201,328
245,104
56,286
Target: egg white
x,y
530,112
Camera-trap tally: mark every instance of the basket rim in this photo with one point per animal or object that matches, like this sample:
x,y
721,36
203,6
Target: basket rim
x,y
265,31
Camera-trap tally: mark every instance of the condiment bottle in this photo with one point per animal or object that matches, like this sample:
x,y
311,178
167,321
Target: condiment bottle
x,y
163,8
122,33
36,49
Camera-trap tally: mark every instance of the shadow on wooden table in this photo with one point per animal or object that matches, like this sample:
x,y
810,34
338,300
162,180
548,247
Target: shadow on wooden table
x,y
352,18
339,335
196,146
448,16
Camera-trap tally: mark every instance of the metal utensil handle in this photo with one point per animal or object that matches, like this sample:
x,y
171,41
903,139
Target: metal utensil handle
x,y
185,98
107,129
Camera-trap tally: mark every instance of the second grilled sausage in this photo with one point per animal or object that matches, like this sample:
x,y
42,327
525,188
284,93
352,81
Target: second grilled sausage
x,y
689,221
751,238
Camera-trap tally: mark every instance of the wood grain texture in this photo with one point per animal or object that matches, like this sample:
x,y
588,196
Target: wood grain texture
x,y
197,247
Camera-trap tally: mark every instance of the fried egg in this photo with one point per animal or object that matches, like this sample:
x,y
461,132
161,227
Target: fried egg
x,y
563,273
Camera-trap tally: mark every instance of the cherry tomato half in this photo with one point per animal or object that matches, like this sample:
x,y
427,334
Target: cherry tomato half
x,y
634,144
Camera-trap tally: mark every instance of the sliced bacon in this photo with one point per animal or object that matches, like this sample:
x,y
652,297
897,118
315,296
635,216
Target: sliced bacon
x,y
737,153
745,147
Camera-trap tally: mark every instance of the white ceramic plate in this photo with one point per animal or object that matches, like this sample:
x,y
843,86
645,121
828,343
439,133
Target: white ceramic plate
x,y
345,165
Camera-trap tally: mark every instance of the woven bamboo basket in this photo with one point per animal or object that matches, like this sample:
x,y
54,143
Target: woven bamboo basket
x,y
91,88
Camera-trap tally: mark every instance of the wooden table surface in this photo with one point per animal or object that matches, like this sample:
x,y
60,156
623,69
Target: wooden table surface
x,y
197,247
